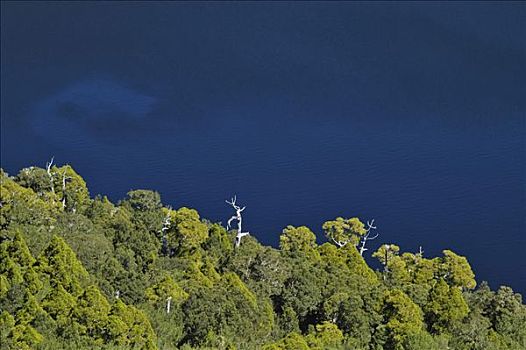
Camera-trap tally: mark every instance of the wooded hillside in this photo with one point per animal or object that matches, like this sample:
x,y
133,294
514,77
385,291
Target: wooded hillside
x,y
80,273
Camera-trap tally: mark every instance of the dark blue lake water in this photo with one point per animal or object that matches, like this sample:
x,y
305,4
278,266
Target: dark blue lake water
x,y
407,114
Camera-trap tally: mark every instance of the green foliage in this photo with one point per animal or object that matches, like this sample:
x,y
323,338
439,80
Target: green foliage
x,y
342,231
59,264
421,340
386,253
228,313
22,206
355,315
403,318
144,209
159,293
63,187
54,298
298,239
219,245
293,341
143,201
132,328
71,189
263,269
446,306
82,273
16,335
36,179
457,270
186,232
325,335
303,289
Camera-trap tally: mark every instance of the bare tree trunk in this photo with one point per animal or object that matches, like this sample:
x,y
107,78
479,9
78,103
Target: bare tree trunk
x,y
367,236
166,225
420,251
50,174
239,219
386,260
64,179
168,304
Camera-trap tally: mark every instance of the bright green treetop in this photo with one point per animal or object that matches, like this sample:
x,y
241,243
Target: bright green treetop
x,y
342,231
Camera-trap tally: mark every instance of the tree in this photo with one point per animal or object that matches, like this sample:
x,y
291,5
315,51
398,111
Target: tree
x,y
13,336
146,210
131,327
325,335
166,294
403,318
298,239
456,270
227,314
386,253
71,188
22,206
143,200
238,217
37,179
367,236
263,269
293,341
219,245
445,307
343,231
187,232
303,289
92,311
61,267
353,315
507,314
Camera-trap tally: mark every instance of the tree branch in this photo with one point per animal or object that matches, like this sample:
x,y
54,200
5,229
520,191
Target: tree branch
x,y
50,174
367,236
238,218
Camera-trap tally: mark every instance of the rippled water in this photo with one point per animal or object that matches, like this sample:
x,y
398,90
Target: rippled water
x,y
442,186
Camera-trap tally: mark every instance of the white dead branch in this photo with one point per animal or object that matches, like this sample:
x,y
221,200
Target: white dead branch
x,y
64,179
166,226
367,236
168,304
50,174
238,218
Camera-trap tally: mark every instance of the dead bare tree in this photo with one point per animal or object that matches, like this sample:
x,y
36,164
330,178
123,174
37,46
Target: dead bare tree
x,y
238,218
386,260
367,236
342,243
168,304
64,179
166,226
50,174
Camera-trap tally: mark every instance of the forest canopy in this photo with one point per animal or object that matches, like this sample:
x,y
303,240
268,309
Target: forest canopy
x,y
81,272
